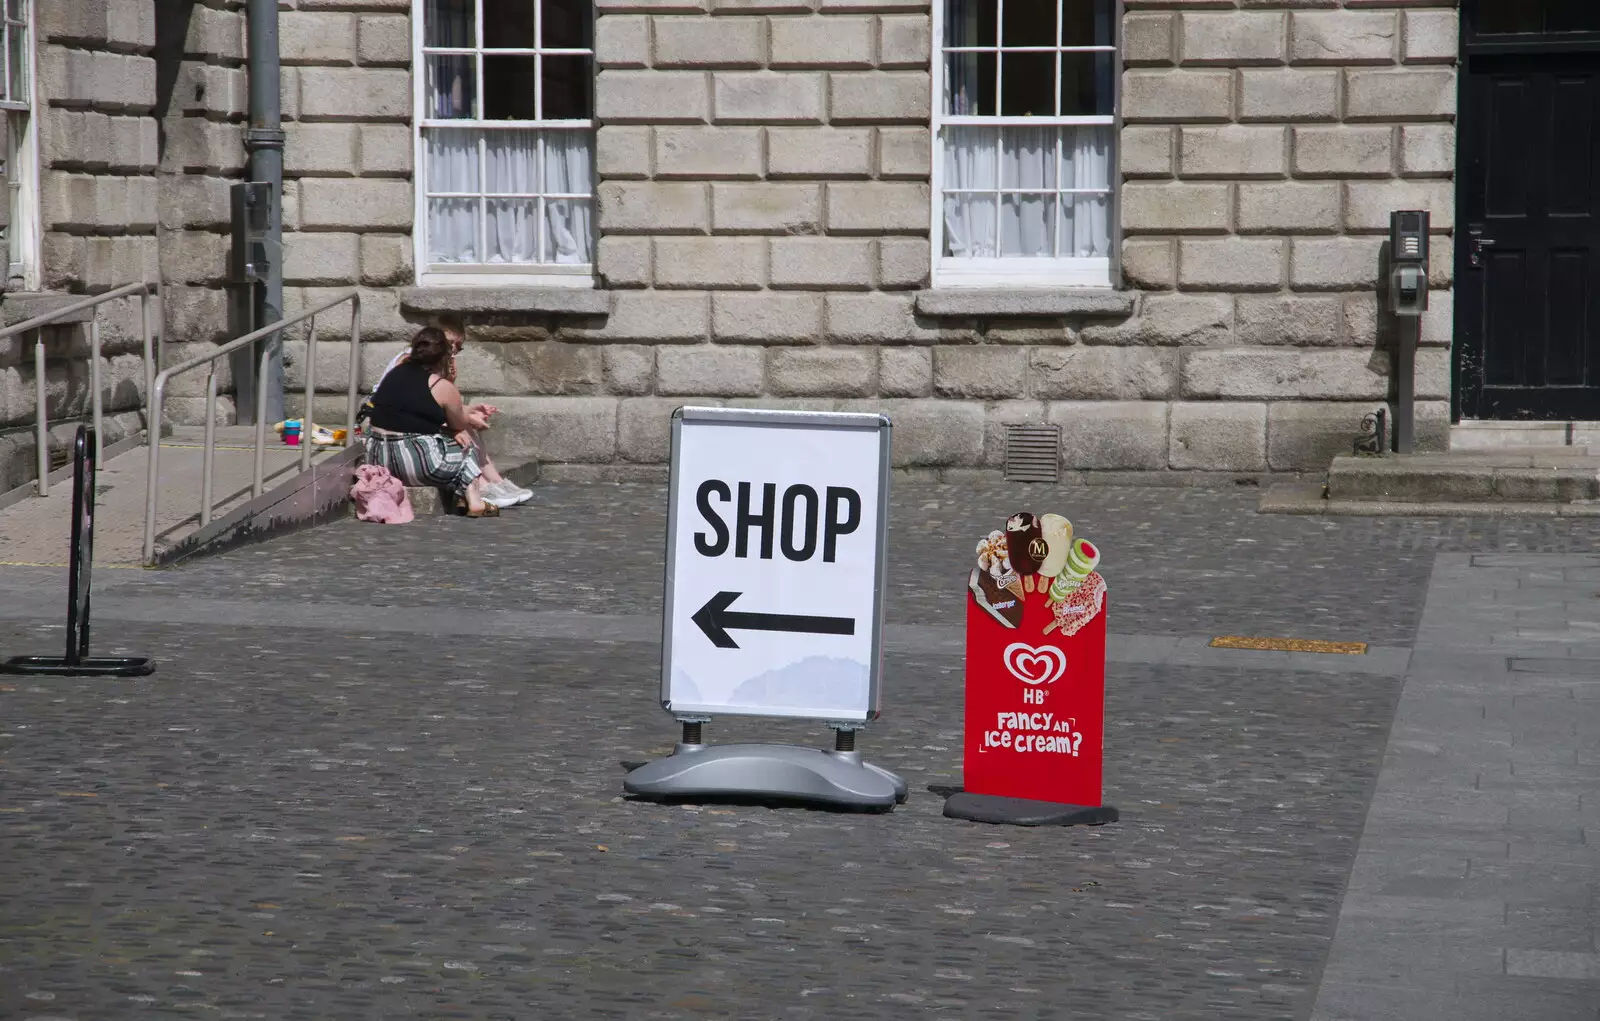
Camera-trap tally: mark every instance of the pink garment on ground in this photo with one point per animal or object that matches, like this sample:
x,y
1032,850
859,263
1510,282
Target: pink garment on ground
x,y
379,496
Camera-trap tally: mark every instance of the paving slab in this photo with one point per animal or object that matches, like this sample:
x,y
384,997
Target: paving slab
x,y
1530,880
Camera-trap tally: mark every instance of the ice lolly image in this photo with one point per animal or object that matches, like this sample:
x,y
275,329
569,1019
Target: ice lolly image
x,y
1081,562
1083,559
1061,587
1026,545
1057,532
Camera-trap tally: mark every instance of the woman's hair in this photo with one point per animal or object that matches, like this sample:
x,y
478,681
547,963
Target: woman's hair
x,y
451,324
430,348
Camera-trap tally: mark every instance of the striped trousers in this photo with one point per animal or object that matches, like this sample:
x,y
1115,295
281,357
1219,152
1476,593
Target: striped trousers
x,y
425,459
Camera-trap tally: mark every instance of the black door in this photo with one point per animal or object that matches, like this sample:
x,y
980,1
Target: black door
x,y
1528,210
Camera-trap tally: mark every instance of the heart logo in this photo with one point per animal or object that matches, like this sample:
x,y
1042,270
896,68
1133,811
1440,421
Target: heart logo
x,y
1042,665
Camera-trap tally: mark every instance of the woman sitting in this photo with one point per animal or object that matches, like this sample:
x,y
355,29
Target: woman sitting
x,y
420,432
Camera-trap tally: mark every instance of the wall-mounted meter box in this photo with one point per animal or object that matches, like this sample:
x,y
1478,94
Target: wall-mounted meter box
x,y
1408,262
252,205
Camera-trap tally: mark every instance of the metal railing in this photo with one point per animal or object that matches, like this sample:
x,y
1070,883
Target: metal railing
x,y
145,292
158,396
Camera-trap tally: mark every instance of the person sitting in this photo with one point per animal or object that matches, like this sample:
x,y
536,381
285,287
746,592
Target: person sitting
x,y
419,430
498,489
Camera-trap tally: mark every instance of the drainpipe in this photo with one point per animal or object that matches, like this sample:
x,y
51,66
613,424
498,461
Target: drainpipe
x,y
264,141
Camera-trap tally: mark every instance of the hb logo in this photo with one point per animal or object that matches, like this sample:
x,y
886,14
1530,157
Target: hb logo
x,y
1042,665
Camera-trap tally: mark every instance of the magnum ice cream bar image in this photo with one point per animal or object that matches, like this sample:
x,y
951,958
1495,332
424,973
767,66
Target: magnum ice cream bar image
x,y
1027,547
1057,532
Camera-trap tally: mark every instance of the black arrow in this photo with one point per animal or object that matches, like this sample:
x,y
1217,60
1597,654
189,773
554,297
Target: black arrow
x,y
716,621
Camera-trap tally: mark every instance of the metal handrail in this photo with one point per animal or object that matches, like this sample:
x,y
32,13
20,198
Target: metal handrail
x,y
145,292
158,397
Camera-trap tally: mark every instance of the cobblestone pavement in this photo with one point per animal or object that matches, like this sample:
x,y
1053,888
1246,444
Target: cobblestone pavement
x,y
350,821
1183,561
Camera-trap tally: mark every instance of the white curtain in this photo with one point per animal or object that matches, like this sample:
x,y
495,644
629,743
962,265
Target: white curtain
x,y
568,170
1028,221
452,165
989,225
1085,218
971,220
513,166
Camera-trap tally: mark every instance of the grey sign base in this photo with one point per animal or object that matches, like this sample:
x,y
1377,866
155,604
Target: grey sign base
x,y
763,771
992,808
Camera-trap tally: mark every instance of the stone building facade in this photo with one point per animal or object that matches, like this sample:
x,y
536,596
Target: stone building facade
x,y
773,202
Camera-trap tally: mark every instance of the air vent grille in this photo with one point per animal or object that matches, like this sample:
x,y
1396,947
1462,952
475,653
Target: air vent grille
x,y
1033,453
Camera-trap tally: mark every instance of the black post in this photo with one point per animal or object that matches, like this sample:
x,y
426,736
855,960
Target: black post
x,y
80,561
81,558
1408,331
1406,276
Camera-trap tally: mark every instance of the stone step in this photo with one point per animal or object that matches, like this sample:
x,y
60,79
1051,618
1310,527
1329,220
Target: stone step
x,y
427,501
1521,436
1524,476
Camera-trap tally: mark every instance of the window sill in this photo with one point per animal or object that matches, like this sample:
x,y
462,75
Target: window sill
x,y
1023,302
572,301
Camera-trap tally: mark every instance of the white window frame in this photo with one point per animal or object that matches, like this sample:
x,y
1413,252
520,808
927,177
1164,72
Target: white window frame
x,y
22,148
579,275
1065,271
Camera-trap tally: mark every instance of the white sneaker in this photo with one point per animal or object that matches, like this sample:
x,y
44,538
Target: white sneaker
x,y
505,493
496,495
523,495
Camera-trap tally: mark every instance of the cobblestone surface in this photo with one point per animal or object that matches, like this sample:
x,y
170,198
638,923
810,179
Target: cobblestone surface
x,y
316,824
1180,561
271,828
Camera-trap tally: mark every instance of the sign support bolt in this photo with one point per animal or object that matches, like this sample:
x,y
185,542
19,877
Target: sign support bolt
x,y
692,733
844,736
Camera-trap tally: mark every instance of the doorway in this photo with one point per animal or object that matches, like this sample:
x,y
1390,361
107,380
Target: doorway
x,y
1527,269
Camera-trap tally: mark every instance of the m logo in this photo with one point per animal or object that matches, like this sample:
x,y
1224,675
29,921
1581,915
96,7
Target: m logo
x,y
1042,665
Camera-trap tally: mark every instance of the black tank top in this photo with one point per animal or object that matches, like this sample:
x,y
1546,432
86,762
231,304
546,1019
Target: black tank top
x,y
404,404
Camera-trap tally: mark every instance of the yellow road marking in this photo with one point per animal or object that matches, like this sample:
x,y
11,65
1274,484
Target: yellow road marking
x,y
1290,645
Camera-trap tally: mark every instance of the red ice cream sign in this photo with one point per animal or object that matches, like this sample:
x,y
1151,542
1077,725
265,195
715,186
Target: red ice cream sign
x,y
1036,654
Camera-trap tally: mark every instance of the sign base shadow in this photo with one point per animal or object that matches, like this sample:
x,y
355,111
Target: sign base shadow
x,y
92,666
1002,811
767,774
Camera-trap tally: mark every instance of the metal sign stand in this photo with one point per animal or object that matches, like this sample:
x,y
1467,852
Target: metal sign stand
x,y
762,771
77,662
709,574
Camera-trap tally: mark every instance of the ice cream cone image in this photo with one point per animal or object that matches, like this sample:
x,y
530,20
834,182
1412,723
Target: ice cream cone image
x,y
990,599
1013,584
